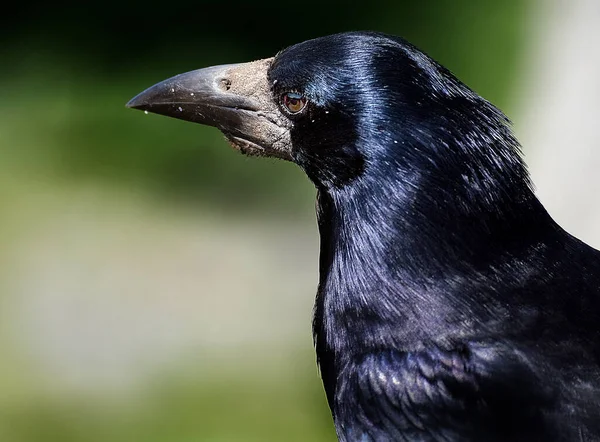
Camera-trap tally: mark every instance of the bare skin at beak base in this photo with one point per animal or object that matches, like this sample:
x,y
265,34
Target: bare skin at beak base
x,y
234,98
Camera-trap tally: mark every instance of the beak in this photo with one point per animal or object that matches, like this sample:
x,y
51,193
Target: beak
x,y
235,98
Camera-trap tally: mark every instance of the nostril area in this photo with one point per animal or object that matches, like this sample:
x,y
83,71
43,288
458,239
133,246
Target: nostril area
x,y
225,84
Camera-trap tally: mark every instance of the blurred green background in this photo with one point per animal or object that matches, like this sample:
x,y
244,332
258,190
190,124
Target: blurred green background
x,y
154,284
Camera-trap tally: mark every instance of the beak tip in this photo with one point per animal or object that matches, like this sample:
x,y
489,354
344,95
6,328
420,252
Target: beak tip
x,y
135,103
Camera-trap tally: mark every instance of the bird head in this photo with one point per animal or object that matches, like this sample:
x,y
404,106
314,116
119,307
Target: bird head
x,y
352,107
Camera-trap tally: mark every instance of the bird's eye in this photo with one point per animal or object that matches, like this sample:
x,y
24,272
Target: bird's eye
x,y
294,102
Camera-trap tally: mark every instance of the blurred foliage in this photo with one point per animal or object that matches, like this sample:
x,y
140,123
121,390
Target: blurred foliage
x,y
68,68
183,409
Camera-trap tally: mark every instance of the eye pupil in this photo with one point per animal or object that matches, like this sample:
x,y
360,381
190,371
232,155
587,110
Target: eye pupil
x,y
294,102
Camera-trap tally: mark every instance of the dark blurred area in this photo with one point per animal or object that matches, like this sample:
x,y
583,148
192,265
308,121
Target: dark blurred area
x,y
69,68
156,285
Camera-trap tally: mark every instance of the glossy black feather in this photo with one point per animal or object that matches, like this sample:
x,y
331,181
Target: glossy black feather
x,y
450,307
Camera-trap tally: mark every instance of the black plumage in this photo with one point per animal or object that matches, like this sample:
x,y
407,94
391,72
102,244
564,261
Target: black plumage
x,y
450,307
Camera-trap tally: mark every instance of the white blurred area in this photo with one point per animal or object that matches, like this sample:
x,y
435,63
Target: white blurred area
x,y
107,290
559,119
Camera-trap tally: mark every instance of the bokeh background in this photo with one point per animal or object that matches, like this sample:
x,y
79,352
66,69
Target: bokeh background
x,y
157,286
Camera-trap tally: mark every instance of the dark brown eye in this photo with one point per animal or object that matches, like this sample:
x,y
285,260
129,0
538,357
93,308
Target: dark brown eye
x,y
294,102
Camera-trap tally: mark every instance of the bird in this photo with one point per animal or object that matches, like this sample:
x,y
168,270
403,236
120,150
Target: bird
x,y
450,305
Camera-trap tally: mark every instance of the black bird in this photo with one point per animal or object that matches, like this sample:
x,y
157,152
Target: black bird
x,y
450,307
